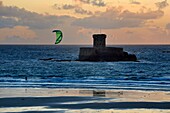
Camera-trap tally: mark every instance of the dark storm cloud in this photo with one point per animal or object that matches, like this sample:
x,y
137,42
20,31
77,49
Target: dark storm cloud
x,y
115,18
162,4
14,16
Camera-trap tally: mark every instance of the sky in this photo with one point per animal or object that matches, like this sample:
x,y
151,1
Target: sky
x,y
124,21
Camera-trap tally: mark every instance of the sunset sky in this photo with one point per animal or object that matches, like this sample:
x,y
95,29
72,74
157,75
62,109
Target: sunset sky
x,y
124,21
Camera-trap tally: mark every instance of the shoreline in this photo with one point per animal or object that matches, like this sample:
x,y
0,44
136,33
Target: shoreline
x,y
82,100
118,93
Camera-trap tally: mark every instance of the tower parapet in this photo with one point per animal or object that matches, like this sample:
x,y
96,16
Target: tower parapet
x,y
99,40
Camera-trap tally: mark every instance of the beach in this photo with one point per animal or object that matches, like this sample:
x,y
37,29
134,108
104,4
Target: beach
x,y
42,100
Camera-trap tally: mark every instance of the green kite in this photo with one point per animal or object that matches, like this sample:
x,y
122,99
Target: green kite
x,y
59,36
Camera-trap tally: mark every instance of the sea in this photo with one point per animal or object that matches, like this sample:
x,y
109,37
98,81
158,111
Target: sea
x,y
21,66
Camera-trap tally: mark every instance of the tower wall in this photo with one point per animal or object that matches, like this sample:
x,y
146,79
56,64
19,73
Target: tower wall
x,y
99,40
88,54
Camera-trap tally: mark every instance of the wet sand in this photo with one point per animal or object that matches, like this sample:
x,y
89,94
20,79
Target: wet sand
x,y
30,100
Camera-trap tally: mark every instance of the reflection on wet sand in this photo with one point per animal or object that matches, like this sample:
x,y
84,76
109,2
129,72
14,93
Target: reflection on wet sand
x,y
101,93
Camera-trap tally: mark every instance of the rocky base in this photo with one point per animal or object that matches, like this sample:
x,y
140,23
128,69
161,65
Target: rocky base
x,y
105,54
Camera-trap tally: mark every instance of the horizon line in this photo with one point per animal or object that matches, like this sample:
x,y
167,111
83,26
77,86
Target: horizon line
x,y
92,45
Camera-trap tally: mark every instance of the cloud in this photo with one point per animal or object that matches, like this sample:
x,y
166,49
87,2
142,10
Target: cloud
x,y
66,7
18,32
162,4
85,1
75,8
104,23
115,18
16,40
168,26
143,35
13,16
20,25
134,2
148,15
7,22
99,3
129,32
83,11
1,3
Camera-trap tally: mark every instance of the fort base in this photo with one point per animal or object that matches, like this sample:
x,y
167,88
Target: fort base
x,y
99,51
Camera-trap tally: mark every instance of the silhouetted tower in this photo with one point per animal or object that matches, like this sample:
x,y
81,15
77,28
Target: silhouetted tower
x,y
99,40
99,51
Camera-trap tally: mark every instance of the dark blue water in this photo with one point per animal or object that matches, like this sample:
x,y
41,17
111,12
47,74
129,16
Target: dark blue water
x,y
20,61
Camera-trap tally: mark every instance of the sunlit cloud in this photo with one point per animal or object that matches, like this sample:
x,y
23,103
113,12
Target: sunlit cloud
x,y
29,27
99,3
17,32
83,11
65,7
147,15
13,16
75,8
114,18
135,2
123,22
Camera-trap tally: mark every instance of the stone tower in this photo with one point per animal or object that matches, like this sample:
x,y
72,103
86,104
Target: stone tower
x,y
99,40
99,51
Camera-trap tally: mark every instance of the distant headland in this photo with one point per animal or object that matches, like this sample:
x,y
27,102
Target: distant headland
x,y
99,51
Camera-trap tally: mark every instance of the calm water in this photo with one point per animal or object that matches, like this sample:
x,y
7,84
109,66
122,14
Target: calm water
x,y
18,62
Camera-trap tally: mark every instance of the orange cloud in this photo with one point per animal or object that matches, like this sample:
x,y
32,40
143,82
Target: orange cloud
x,y
18,31
144,35
99,3
114,18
